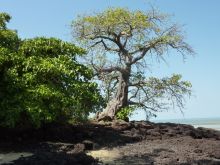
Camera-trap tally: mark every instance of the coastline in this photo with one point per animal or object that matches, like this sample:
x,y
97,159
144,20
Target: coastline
x,y
117,142
211,123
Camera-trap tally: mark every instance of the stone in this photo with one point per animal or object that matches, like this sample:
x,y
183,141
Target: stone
x,y
89,145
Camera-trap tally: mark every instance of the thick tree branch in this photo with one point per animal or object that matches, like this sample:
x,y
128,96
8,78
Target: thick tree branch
x,y
105,46
115,40
139,83
143,106
135,94
120,45
144,50
103,37
143,53
110,69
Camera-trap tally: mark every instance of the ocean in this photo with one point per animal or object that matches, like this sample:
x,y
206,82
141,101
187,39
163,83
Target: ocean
x,y
213,123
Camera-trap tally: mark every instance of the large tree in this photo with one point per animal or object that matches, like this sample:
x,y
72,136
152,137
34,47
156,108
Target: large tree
x,y
41,81
120,43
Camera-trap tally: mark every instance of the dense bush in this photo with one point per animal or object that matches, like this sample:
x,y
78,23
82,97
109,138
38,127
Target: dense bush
x,y
41,81
125,113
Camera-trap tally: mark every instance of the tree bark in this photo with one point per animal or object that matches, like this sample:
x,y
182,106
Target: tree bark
x,y
120,100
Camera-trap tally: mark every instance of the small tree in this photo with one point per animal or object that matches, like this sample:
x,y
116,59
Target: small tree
x,y
120,42
41,81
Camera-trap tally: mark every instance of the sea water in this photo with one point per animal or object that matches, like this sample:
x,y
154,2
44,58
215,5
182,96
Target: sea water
x,y
213,123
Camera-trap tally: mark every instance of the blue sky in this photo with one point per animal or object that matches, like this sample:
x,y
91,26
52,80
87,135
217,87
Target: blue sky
x,y
201,20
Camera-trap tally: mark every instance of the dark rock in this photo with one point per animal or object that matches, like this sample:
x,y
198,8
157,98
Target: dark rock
x,y
69,143
78,148
208,133
162,126
137,137
170,134
121,125
89,145
134,131
198,151
215,154
104,118
153,132
143,131
146,126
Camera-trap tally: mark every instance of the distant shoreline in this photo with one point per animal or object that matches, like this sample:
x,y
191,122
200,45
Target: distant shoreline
x,y
213,123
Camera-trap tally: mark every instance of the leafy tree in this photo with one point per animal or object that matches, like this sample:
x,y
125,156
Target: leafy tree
x,y
9,42
120,43
41,81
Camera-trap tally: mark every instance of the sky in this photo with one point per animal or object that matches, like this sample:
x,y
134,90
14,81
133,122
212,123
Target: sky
x,y
200,20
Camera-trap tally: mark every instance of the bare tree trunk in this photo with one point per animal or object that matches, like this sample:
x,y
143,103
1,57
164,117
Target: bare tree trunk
x,y
120,100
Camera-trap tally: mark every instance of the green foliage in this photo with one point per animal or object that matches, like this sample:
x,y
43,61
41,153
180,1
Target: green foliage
x,y
135,29
125,113
41,81
4,18
117,19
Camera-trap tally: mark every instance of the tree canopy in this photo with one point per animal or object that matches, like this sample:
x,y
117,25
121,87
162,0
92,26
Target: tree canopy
x,y
41,81
120,43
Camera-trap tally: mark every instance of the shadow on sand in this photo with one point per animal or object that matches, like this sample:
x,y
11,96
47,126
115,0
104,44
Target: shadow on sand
x,y
57,145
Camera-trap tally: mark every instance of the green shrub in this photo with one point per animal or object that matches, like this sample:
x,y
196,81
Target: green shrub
x,y
125,113
42,82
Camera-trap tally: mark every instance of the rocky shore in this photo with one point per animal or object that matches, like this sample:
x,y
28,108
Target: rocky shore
x,y
118,142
